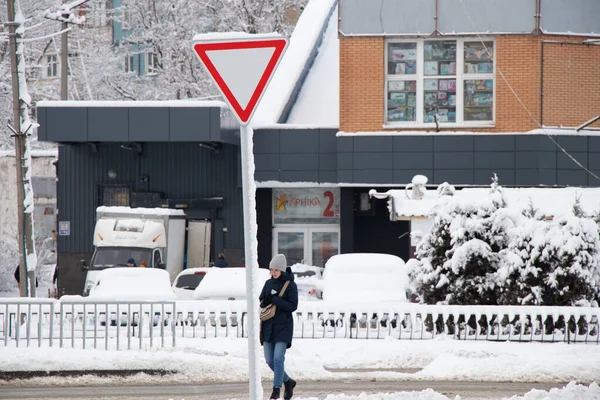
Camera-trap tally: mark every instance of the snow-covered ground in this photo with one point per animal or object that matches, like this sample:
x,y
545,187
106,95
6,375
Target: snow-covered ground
x,y
224,360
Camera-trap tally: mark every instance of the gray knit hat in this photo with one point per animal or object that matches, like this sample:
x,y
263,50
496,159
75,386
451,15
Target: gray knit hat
x,y
278,262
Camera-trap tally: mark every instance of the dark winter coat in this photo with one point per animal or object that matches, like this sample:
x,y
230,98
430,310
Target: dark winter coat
x,y
221,263
280,328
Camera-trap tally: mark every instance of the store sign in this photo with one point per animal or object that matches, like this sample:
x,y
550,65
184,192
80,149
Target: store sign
x,y
307,204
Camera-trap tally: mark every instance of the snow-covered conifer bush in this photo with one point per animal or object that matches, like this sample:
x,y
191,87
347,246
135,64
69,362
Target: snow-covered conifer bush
x,y
552,262
457,259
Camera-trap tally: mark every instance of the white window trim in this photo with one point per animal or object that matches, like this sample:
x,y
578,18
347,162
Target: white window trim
x,y
51,66
125,16
151,69
460,76
130,63
96,14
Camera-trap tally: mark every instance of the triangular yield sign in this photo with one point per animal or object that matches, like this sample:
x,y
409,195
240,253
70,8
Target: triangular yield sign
x,y
241,69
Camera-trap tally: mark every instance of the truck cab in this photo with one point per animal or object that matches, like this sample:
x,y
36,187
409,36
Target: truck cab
x,y
155,236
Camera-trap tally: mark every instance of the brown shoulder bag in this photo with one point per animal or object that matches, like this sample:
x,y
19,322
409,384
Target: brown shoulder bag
x,y
268,312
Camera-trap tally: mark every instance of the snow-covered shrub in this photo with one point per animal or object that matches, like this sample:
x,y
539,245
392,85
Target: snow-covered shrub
x,y
457,259
552,262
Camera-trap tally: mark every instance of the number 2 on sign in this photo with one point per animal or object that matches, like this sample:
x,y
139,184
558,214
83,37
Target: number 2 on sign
x,y
328,212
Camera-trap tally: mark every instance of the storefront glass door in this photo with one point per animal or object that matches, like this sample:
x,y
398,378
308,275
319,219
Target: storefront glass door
x,y
291,245
311,245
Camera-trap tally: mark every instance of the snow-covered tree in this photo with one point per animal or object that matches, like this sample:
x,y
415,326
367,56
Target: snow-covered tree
x,y
457,260
552,262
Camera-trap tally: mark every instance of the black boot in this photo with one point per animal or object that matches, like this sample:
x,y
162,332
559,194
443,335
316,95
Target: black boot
x,y
289,389
276,394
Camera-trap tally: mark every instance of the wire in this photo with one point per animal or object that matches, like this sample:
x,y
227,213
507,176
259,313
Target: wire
x,y
47,36
523,104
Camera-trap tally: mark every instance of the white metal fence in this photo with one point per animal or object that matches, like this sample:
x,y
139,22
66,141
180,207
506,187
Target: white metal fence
x,y
82,323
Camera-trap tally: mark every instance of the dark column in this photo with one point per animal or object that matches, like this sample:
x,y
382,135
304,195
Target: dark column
x,y
264,206
346,220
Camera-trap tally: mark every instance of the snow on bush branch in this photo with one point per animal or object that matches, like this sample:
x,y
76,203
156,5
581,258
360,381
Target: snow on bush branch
x,y
484,252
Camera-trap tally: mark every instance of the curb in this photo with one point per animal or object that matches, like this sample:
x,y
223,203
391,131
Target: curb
x,y
10,375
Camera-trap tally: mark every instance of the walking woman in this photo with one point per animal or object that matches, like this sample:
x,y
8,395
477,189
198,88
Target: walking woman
x,y
276,333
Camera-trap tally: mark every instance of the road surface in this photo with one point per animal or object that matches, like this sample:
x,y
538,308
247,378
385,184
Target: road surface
x,y
320,389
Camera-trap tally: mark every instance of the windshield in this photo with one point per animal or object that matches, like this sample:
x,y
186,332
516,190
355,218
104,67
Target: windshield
x,y
107,257
190,281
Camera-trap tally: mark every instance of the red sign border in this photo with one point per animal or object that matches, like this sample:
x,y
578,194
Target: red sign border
x,y
244,114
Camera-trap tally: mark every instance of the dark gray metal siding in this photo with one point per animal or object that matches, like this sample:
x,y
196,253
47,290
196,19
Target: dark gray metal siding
x,y
317,155
301,155
131,124
178,170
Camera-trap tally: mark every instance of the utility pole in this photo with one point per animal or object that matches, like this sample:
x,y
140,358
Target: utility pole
x,y
22,125
66,17
64,61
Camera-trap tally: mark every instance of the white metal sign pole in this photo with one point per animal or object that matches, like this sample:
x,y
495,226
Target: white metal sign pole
x,y
222,54
251,256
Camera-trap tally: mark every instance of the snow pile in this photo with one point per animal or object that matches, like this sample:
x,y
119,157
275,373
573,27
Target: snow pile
x,y
571,391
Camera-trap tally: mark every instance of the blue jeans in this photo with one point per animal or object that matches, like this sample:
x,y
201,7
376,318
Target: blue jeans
x,y
275,357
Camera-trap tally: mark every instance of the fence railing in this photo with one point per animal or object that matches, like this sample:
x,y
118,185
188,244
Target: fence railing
x,y
83,323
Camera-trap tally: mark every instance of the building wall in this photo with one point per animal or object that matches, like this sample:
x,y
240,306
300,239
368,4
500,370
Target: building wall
x,y
44,213
183,171
317,155
570,81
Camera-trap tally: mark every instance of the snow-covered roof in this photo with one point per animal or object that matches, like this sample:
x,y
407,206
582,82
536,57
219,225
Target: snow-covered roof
x,y
318,102
34,153
139,211
307,33
549,201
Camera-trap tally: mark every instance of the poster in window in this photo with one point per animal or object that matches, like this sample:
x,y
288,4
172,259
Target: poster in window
x,y
396,86
430,68
430,84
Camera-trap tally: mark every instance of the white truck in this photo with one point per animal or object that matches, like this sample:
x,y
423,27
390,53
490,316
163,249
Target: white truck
x,y
157,236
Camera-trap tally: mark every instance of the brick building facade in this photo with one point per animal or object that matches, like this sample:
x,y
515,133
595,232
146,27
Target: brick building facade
x,y
556,78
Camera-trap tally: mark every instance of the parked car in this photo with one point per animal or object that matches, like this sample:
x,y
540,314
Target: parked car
x,y
187,281
365,278
306,278
131,285
228,284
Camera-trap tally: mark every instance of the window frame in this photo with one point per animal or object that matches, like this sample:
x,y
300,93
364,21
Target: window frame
x,y
151,68
130,63
51,66
125,16
420,77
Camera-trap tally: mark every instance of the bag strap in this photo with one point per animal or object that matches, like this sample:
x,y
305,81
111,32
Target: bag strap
x,y
285,285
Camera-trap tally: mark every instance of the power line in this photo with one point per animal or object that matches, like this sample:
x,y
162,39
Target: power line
x,y
523,104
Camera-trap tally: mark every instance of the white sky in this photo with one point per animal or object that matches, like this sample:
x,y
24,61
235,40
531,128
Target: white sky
x,y
224,360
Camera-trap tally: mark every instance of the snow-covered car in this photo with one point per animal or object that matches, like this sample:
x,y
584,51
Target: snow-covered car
x,y
131,285
306,278
187,281
365,278
228,284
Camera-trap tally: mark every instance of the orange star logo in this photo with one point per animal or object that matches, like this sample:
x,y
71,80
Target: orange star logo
x,y
280,203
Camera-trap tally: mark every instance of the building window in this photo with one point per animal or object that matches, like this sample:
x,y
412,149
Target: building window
x,y
130,63
447,82
96,13
51,66
115,195
125,16
151,64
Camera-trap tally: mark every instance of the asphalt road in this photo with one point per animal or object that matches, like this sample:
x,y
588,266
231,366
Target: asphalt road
x,y
320,389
